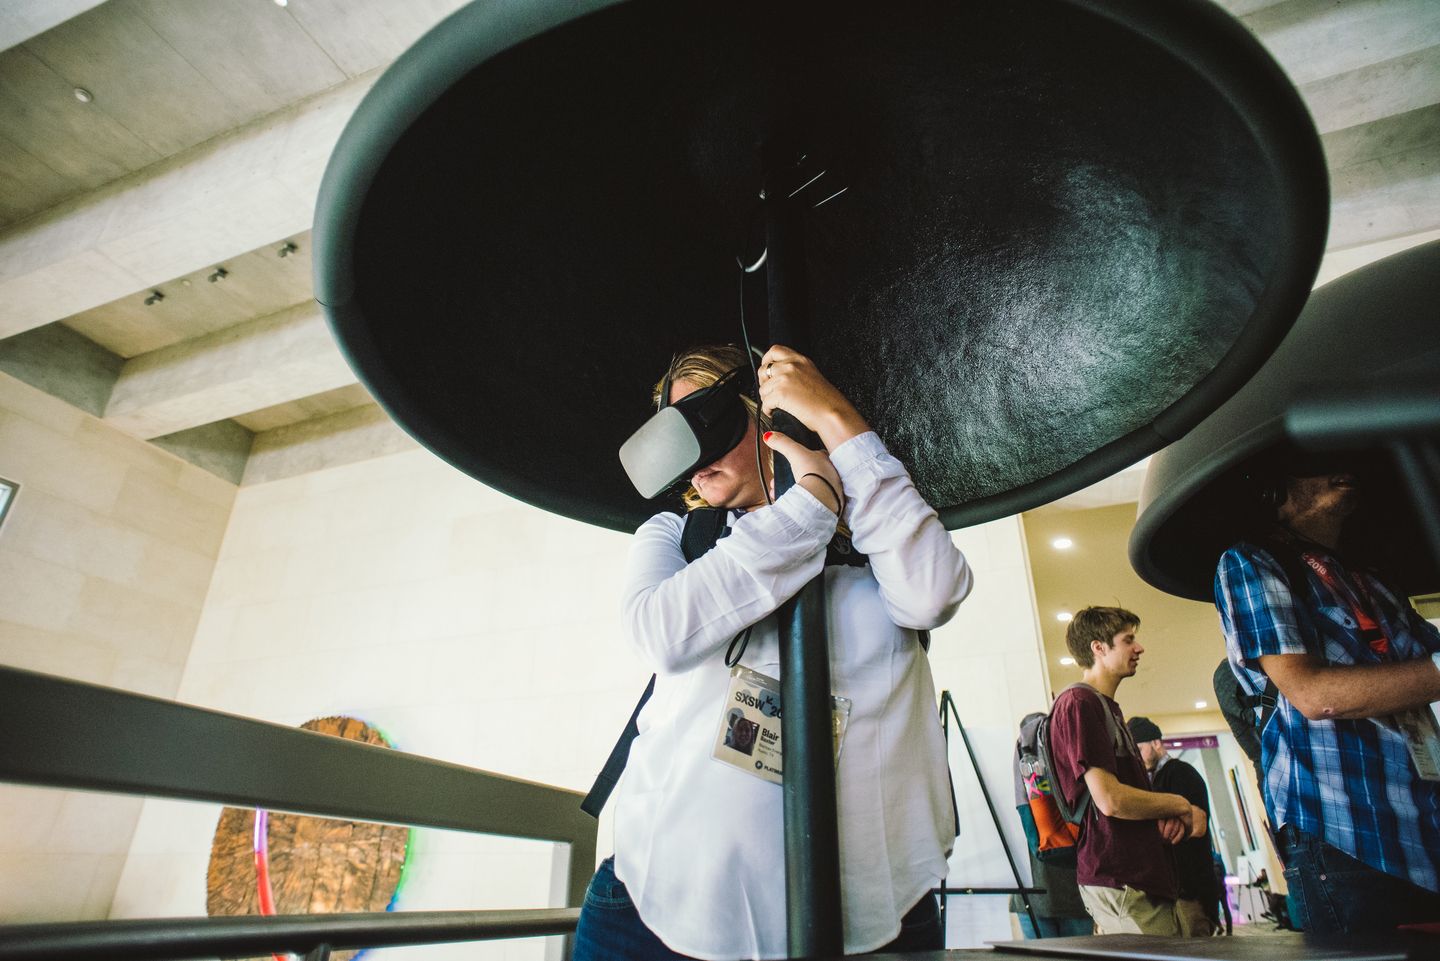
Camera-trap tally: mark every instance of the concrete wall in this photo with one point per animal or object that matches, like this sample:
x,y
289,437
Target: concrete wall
x,y
476,629
105,560
465,625
990,658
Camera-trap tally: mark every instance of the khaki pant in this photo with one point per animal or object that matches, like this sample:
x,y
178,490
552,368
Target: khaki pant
x,y
1193,921
1129,911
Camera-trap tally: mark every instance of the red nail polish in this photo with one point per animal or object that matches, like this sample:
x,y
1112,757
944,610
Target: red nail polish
x,y
768,434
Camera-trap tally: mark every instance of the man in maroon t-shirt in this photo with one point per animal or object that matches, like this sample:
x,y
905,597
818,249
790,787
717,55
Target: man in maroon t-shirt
x,y
1125,865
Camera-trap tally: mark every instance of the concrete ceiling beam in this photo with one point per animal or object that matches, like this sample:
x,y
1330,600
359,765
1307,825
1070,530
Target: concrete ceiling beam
x,y
22,19
1374,92
1315,39
348,437
1384,178
1391,136
232,194
251,366
1239,8
1377,211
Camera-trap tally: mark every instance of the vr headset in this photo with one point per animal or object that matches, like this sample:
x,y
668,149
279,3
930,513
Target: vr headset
x,y
695,431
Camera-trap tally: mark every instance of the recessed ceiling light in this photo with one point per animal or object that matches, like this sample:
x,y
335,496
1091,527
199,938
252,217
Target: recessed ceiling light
x,y
1200,704
1064,616
83,95
1067,660
282,3
1060,543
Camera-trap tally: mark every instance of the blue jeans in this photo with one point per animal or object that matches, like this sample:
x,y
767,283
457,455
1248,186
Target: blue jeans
x,y
1331,892
610,928
1056,927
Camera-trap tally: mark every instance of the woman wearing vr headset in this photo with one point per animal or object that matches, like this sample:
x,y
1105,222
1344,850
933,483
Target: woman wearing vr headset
x,y
699,863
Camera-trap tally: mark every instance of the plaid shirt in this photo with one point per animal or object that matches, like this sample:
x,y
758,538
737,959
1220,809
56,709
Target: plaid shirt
x,y
1351,783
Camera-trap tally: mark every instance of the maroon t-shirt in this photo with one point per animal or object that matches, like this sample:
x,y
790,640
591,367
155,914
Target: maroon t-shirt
x,y
1113,852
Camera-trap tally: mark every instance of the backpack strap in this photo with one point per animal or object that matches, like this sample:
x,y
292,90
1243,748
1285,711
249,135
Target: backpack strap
x,y
1112,727
619,755
1075,814
1082,806
1265,701
704,527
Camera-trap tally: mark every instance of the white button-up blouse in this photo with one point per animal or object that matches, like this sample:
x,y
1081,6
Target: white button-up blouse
x,y
698,843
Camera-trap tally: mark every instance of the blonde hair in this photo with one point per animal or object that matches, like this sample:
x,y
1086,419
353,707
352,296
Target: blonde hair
x,y
703,366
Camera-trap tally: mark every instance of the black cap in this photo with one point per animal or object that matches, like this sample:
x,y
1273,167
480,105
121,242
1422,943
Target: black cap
x,y
1143,729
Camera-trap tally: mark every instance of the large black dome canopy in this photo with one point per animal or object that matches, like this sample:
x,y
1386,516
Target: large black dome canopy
x,y
1071,229
1374,331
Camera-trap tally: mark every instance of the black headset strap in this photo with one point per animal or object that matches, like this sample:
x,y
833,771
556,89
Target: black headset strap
x,y
719,394
722,380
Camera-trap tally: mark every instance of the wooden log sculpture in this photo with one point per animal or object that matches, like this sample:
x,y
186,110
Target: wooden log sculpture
x,y
317,865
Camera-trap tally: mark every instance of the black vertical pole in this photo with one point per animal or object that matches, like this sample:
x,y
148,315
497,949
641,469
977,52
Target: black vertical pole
x,y
812,835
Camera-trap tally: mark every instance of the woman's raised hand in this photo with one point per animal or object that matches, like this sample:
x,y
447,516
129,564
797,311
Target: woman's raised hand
x,y
791,382
812,468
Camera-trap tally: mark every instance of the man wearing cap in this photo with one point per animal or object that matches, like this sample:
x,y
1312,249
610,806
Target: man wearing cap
x,y
1350,670
1198,907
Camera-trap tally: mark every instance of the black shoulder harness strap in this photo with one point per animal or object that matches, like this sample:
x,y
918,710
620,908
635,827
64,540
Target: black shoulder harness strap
x,y
703,529
1265,701
704,526
594,802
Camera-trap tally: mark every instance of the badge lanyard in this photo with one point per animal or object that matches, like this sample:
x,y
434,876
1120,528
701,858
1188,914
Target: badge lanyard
x,y
1355,594
1417,725
1358,597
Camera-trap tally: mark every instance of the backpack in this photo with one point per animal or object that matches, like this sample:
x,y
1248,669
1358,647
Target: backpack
x,y
1239,709
1050,837
1052,827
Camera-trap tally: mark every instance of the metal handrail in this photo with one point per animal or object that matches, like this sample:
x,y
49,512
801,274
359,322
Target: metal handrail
x,y
179,939
61,733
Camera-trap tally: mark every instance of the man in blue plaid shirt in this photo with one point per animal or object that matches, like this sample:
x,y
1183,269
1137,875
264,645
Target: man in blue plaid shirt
x,y
1358,825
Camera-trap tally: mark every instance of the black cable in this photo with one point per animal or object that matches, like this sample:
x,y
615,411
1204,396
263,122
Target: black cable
x,y
839,504
754,379
732,656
